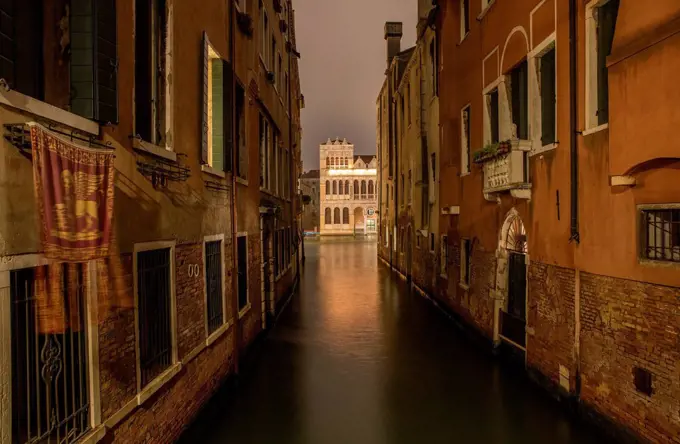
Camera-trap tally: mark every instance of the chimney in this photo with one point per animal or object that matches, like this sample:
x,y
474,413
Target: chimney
x,y
393,34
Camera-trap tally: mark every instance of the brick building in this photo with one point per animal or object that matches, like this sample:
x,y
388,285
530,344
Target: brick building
x,y
410,183
559,235
206,134
309,186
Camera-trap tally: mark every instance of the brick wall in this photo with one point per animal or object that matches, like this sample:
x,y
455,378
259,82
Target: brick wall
x,y
162,419
117,346
190,294
424,265
627,324
551,321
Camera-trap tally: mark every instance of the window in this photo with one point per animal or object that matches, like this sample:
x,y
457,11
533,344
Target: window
x,y
492,103
345,215
371,188
465,262
277,255
464,18
642,379
240,143
327,216
601,19
417,239
49,360
394,239
434,61
336,215
410,187
242,273
213,285
548,97
150,35
432,243
272,61
241,5
347,187
154,308
328,187
335,187
279,72
520,100
661,234
363,188
408,102
215,88
264,37
433,166
465,140
264,151
444,255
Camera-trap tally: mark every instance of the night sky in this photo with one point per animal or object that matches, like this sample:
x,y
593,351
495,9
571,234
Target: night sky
x,y
342,67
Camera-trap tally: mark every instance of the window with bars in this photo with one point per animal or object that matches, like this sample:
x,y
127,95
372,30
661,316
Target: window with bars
x,y
50,401
154,313
213,285
661,234
242,276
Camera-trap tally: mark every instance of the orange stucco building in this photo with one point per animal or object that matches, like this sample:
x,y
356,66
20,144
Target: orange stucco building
x,y
559,198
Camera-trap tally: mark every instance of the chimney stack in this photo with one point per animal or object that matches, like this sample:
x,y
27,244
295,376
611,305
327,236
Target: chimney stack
x,y
393,34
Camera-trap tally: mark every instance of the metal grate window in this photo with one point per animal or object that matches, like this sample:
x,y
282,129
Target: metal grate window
x,y
50,400
661,231
213,279
155,340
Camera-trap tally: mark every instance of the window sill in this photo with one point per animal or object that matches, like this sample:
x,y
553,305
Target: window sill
x,y
486,10
210,340
462,39
156,150
242,181
543,149
596,129
657,263
94,436
212,171
465,174
464,286
38,108
244,311
157,383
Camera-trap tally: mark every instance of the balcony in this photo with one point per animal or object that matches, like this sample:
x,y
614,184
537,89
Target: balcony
x,y
505,169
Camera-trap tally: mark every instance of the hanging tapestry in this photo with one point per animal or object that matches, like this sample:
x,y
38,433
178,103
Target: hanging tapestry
x,y
74,191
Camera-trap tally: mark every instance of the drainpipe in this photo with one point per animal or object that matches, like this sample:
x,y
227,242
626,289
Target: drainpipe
x,y
234,248
573,118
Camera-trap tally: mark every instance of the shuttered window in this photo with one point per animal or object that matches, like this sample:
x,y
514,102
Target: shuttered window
x,y
606,25
493,115
520,100
547,66
240,142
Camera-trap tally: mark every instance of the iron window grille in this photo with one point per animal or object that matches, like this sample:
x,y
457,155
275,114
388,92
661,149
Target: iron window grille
x,y
661,231
50,401
154,321
213,282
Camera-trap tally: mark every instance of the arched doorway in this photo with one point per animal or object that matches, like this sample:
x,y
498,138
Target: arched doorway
x,y
511,281
359,220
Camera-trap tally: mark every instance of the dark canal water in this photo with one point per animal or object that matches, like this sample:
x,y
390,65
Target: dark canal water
x,y
358,359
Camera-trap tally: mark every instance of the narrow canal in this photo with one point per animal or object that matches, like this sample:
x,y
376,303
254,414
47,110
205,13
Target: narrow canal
x,y
356,358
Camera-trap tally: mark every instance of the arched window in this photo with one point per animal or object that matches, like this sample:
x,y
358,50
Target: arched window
x,y
328,187
336,216
345,215
347,187
328,162
331,164
335,187
327,216
363,187
370,187
356,187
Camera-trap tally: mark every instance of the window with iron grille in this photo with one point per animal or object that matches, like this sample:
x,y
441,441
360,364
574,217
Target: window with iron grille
x,y
661,234
213,284
465,262
242,256
50,401
154,313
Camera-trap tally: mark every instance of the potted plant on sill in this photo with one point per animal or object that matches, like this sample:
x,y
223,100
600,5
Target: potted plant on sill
x,y
491,151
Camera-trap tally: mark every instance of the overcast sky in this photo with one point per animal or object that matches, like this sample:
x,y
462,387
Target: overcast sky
x,y
342,68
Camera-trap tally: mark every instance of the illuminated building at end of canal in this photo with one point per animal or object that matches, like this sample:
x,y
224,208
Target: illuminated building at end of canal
x,y
348,190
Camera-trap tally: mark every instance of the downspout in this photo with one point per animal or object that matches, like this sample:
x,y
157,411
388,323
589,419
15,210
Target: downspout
x,y
234,247
573,118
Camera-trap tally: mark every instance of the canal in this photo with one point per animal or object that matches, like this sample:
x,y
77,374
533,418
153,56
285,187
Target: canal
x,y
356,358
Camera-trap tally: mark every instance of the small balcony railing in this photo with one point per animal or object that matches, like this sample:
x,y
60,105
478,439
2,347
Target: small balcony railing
x,y
505,167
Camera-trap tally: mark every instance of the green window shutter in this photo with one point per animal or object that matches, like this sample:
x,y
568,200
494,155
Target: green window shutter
x,y
548,97
228,114
204,111
218,115
606,24
94,60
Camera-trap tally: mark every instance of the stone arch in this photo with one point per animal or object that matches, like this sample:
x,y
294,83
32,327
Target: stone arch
x,y
513,234
363,187
345,215
328,187
347,187
356,187
516,48
327,216
359,217
335,187
370,187
336,215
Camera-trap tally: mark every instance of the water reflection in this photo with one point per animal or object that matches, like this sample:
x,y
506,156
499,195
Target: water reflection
x,y
358,359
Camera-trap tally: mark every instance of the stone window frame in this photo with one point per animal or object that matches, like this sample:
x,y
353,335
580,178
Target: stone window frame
x,y
144,393
465,144
227,322
535,101
21,261
463,32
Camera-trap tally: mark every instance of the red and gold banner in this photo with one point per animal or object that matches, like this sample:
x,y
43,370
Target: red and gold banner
x,y
74,191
